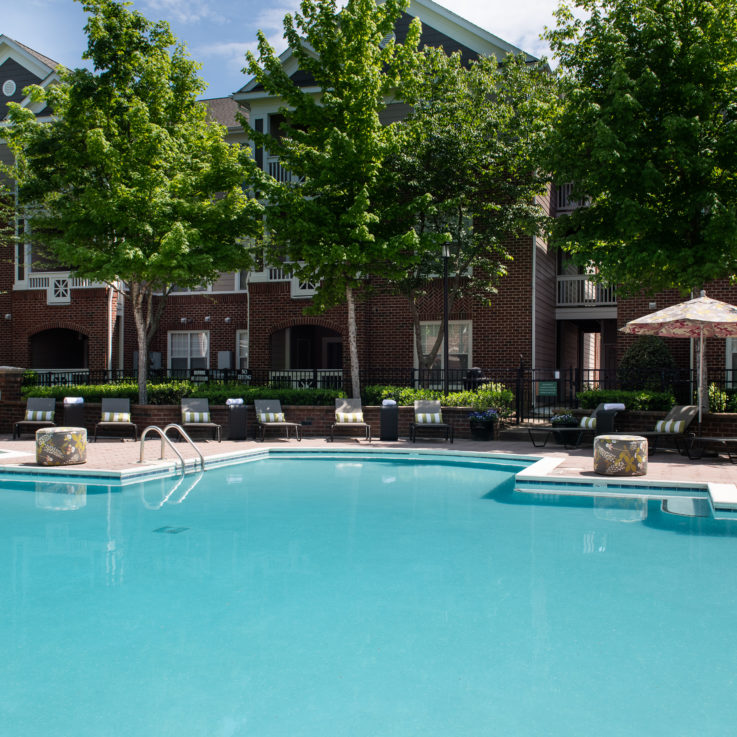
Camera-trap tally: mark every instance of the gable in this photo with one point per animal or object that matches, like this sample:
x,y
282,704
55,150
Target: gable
x,y
13,73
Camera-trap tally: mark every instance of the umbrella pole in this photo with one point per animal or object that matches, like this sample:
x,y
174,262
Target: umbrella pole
x,y
701,372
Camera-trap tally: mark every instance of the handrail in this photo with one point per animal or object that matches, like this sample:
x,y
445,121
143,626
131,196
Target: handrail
x,y
164,439
181,431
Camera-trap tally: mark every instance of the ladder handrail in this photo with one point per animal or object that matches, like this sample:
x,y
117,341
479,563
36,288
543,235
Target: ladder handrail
x,y
181,431
162,434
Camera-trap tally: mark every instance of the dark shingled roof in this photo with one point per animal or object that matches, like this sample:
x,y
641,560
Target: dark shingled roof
x,y
43,59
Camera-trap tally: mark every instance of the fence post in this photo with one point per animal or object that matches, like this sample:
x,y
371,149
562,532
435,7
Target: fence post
x,y
518,393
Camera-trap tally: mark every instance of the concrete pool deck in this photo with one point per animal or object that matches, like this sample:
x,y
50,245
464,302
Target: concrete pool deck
x,y
116,456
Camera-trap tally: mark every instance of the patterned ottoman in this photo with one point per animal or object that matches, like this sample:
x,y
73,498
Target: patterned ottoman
x,y
61,446
620,455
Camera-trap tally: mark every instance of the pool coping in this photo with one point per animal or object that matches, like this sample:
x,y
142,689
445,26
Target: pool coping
x,y
536,478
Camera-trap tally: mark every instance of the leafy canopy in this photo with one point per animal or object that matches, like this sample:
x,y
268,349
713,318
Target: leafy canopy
x,y
648,136
333,142
130,181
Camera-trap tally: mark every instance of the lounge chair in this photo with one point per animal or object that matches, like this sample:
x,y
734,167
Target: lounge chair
x,y
599,422
349,414
116,417
39,413
196,416
269,415
674,426
428,416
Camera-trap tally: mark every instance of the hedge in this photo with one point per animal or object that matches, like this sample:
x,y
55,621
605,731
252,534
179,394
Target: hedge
x,y
632,400
171,392
495,396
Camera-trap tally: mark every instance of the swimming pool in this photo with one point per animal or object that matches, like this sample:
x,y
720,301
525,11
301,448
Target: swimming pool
x,y
358,595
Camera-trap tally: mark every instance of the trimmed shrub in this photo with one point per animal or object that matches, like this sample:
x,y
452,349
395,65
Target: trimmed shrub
x,y
633,400
172,392
495,396
647,364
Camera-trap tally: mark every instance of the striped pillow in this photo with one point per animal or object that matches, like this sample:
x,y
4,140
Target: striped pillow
x,y
670,426
196,417
429,418
588,423
349,416
38,415
271,417
116,416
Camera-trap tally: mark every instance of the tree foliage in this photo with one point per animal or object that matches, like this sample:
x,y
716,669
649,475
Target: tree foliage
x,y
335,144
467,170
648,136
130,183
647,364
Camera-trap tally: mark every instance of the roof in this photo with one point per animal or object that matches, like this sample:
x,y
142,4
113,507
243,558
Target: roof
x,y
43,59
223,110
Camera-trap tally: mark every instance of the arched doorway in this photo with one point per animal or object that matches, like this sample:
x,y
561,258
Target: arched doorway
x,y
59,348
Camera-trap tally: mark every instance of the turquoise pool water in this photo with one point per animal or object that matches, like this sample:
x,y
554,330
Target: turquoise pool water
x,y
362,597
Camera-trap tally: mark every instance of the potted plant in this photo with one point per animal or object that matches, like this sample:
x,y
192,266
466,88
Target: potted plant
x,y
483,424
561,422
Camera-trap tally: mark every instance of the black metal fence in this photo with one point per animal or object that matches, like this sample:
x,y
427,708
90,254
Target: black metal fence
x,y
537,391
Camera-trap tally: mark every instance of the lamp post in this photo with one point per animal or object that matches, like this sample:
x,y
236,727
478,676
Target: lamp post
x,y
446,256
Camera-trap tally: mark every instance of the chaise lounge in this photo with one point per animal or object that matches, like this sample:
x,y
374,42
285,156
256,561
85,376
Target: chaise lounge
x,y
269,415
39,413
349,414
116,417
428,416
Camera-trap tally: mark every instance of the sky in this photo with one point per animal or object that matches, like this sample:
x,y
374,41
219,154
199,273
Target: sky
x,y
218,33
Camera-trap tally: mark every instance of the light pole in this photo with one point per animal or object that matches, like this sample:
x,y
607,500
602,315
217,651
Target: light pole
x,y
446,256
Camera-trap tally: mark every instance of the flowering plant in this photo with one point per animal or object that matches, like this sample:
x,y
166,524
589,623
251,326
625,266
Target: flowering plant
x,y
565,420
486,415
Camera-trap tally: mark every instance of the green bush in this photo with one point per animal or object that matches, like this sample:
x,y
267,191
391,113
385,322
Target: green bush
x,y
647,364
718,399
171,392
495,396
633,400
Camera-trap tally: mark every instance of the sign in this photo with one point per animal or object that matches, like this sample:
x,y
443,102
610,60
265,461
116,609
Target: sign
x,y
547,388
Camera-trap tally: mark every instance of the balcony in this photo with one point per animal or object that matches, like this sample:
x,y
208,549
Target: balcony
x,y
58,285
298,288
280,173
579,291
564,203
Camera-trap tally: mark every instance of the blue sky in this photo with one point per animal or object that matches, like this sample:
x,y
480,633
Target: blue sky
x,y
219,32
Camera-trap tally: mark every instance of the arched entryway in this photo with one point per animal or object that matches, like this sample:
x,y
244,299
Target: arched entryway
x,y
59,348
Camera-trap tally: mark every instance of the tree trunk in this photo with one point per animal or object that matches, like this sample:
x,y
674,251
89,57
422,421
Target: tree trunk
x,y
140,318
353,344
422,361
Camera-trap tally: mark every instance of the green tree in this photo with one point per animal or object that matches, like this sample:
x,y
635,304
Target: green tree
x,y
467,171
334,143
130,184
648,137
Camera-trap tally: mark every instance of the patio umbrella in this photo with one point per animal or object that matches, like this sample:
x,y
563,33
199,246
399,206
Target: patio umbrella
x,y
698,318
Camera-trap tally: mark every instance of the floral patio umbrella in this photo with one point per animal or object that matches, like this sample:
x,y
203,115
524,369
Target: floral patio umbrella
x,y
698,318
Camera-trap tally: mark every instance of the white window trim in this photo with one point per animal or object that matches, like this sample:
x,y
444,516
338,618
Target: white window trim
x,y
238,334
441,353
189,358
730,349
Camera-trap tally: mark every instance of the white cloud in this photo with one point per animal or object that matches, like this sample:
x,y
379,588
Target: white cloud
x,y
183,11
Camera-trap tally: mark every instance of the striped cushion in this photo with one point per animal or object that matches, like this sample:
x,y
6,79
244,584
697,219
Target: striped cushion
x,y
429,418
116,416
271,417
349,416
37,415
670,426
588,423
196,416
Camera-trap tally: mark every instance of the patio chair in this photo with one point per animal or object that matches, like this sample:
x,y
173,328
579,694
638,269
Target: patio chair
x,y
428,416
269,415
196,416
116,417
349,414
39,413
673,427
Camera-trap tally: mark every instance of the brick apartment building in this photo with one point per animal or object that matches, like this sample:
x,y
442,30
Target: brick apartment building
x,y
546,314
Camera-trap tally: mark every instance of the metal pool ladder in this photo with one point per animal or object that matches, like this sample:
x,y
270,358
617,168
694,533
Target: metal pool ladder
x,y
165,441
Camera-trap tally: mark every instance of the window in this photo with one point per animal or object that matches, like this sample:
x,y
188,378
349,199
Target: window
x,y
241,349
189,349
21,247
731,362
459,343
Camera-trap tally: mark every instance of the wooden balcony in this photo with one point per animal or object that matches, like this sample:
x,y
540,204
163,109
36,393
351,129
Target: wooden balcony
x,y
579,291
564,203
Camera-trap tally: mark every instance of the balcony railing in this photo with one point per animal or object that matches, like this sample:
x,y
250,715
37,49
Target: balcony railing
x,y
280,173
564,203
579,291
